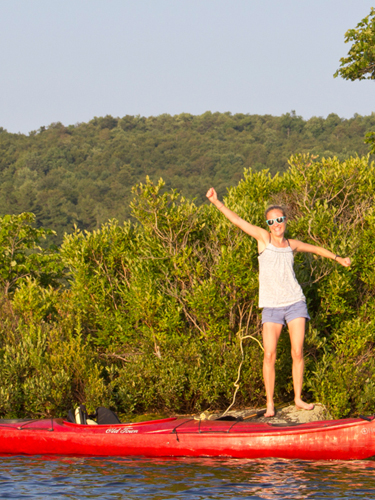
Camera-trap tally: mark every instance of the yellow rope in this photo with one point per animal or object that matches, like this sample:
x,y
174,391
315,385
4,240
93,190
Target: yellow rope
x,y
236,383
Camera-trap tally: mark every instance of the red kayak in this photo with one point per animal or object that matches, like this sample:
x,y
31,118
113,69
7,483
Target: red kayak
x,y
171,437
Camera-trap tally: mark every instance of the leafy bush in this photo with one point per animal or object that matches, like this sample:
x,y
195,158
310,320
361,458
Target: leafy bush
x,y
151,314
45,370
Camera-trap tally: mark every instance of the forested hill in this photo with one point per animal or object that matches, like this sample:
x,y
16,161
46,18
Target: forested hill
x,y
82,174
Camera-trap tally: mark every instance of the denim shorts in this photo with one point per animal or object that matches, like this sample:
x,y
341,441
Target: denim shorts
x,y
282,315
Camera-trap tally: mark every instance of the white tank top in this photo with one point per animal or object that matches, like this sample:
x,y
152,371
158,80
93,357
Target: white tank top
x,y
278,286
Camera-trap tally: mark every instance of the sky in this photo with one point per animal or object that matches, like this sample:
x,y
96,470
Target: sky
x,y
73,60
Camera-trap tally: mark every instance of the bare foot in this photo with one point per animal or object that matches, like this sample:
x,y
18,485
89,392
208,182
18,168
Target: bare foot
x,y
301,405
270,411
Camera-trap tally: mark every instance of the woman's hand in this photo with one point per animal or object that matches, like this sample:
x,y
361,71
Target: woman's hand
x,y
211,195
260,234
344,261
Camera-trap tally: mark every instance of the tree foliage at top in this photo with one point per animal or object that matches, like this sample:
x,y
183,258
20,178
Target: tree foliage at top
x,y
360,61
83,174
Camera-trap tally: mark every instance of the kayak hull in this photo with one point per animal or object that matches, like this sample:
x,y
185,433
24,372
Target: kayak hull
x,y
349,439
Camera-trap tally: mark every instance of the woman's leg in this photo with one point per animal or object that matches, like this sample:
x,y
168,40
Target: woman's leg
x,y
271,334
297,337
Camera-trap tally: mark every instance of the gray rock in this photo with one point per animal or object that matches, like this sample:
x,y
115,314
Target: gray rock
x,y
292,415
287,415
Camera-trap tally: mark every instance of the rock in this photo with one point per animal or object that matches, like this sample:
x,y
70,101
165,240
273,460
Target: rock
x,y
292,415
287,415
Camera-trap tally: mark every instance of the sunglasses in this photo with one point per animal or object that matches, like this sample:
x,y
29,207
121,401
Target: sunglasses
x,y
279,220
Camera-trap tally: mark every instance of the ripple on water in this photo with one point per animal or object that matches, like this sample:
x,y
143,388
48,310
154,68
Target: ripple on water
x,y
195,479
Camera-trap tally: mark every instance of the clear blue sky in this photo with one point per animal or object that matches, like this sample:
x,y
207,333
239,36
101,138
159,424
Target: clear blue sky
x,y
71,60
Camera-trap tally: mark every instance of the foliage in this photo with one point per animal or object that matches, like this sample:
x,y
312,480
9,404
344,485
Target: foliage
x,y
83,174
360,61
20,253
45,370
192,375
152,313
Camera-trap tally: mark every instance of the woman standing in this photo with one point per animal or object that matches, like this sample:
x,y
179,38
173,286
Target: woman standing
x,y
280,294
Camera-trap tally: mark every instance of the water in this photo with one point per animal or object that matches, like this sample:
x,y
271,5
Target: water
x,y
184,478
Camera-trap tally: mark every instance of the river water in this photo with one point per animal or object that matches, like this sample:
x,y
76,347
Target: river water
x,y
184,478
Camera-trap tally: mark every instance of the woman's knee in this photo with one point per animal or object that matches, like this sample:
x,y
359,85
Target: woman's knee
x,y
297,354
270,357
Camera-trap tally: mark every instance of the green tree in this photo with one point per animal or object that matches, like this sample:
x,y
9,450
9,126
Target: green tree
x,y
153,313
360,61
21,255
83,174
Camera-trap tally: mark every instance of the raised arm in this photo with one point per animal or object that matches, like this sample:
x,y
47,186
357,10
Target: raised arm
x,y
299,246
260,234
